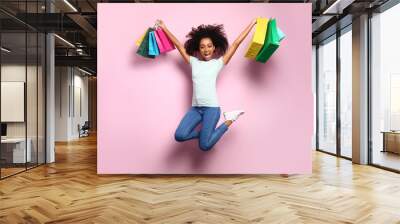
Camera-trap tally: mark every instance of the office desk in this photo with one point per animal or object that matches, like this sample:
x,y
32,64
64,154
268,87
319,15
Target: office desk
x,y
13,150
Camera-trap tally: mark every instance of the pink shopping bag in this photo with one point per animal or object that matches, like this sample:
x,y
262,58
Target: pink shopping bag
x,y
163,42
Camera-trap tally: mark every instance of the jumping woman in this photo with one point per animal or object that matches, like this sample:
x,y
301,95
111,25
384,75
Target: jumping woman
x,y
207,52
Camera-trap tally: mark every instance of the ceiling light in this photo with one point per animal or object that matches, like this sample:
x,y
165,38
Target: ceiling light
x,y
70,5
338,6
64,40
5,50
84,71
326,11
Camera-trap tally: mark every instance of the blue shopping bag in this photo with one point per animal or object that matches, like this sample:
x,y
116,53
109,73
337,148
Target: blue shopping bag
x,y
153,48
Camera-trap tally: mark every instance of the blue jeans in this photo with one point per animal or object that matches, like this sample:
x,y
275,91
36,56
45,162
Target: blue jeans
x,y
208,136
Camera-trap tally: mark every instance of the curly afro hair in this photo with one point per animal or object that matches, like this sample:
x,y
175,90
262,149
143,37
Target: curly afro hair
x,y
215,32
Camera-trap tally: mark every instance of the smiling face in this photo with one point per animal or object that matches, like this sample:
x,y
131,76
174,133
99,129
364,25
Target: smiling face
x,y
206,48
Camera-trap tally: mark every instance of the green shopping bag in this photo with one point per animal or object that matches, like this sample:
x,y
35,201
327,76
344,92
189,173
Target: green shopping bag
x,y
143,49
271,42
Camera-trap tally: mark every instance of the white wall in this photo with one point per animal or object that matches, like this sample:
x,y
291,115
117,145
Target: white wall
x,y
80,102
70,84
15,72
62,81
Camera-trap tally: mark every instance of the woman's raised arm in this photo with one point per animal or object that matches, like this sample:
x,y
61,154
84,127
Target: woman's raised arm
x,y
232,49
174,40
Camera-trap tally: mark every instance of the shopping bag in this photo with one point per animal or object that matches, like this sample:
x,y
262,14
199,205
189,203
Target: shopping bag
x,y
258,38
164,43
281,35
271,42
153,48
160,44
139,41
143,49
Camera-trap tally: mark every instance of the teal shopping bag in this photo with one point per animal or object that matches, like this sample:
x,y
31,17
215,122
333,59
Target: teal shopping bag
x,y
143,49
281,35
153,48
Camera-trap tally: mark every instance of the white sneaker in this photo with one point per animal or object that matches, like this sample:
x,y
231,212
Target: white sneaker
x,y
233,115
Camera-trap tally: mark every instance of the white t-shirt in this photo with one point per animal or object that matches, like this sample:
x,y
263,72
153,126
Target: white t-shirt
x,y
204,77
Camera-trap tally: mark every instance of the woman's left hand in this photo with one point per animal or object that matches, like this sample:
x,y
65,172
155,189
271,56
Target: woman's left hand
x,y
160,23
254,22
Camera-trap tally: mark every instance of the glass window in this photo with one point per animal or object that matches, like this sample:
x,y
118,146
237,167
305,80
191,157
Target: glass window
x,y
41,98
314,75
14,153
31,101
22,91
327,96
346,94
385,87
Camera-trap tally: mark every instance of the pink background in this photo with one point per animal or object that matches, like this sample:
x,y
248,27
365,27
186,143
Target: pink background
x,y
141,101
